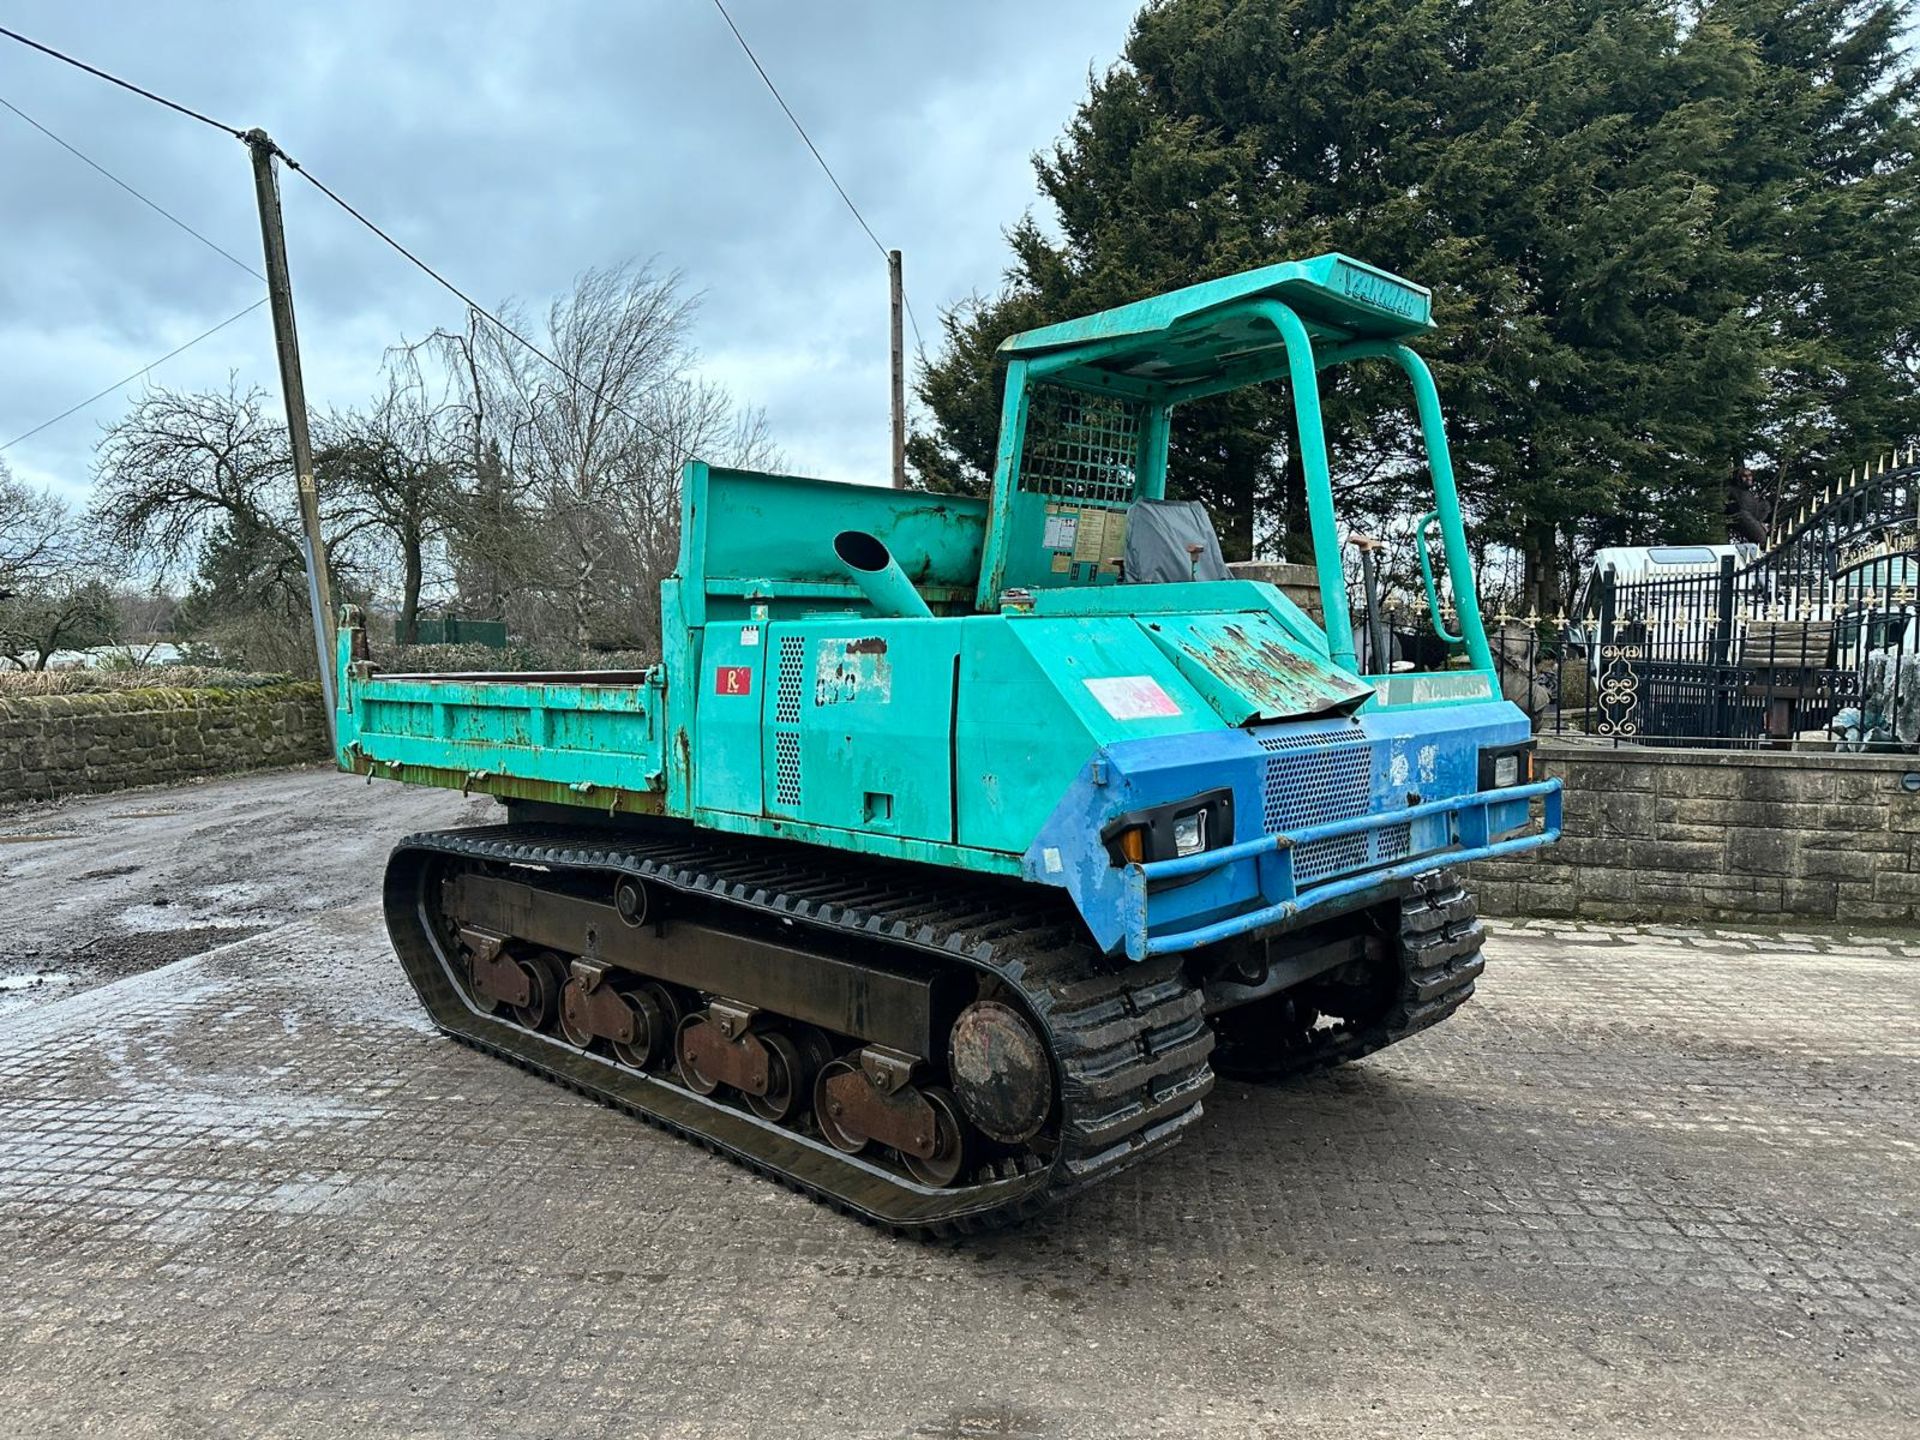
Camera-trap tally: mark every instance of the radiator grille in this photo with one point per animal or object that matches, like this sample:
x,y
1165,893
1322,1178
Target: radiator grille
x,y
1313,777
1310,784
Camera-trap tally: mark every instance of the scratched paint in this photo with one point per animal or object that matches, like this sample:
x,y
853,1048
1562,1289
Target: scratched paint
x,y
852,672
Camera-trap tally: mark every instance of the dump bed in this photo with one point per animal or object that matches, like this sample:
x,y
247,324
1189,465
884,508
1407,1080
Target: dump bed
x,y
593,737
753,547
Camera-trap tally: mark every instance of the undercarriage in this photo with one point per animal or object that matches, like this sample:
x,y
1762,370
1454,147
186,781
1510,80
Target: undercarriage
x,y
931,1055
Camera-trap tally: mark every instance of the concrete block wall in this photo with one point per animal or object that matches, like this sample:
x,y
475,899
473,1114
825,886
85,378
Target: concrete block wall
x,y
54,745
1671,834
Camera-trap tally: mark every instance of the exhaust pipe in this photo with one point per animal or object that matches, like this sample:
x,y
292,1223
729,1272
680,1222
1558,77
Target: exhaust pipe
x,y
879,575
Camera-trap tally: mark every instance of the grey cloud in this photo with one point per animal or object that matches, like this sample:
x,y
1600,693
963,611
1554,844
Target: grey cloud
x,y
515,146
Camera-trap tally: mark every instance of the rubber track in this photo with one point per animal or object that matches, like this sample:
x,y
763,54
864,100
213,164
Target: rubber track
x,y
1130,1043
1441,941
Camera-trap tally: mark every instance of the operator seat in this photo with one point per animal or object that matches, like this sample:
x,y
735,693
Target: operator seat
x,y
1172,540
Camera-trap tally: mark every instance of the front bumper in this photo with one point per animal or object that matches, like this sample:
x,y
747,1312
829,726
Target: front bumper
x,y
1469,830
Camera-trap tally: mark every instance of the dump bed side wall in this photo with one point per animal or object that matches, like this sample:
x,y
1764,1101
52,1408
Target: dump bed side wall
x,y
581,741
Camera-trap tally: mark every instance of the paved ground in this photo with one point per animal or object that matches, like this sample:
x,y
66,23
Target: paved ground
x,y
1649,1183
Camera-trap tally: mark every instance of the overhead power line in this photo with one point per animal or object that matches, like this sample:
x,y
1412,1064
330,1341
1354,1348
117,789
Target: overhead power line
x,y
150,203
294,165
800,129
473,305
95,70
118,384
813,149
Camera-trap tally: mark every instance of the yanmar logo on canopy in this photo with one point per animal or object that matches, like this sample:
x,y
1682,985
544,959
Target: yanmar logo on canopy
x,y
1383,293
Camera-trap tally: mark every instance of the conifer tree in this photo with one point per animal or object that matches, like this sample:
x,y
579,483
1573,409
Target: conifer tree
x,y
1667,242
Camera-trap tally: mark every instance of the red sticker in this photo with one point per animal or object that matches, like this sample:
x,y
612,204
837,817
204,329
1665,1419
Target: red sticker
x,y
733,680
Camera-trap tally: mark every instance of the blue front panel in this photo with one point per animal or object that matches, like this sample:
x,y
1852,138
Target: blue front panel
x,y
1283,778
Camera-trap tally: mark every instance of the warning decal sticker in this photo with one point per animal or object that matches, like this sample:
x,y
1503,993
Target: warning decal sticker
x,y
1132,697
1060,530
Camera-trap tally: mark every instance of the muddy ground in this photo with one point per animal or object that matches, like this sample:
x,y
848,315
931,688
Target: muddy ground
x,y
101,887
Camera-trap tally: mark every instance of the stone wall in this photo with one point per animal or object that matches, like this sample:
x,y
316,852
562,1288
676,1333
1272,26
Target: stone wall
x,y
1653,834
54,745
1299,583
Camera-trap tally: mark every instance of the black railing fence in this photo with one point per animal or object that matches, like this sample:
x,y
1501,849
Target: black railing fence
x,y
1815,643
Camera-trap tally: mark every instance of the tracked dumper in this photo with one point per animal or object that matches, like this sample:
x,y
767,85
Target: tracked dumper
x,y
955,843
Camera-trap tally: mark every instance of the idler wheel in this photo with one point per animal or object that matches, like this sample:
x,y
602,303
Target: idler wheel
x,y
1001,1074
546,973
949,1156
656,1020
832,1114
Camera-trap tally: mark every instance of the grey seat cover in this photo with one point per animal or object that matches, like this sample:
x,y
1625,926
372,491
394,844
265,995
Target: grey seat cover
x,y
1158,534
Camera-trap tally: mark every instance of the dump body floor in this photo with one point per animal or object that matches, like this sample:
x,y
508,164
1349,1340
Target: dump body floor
x,y
1645,1183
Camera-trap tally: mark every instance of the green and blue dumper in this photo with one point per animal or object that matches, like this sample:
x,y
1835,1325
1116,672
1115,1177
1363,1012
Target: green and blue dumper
x,y
955,843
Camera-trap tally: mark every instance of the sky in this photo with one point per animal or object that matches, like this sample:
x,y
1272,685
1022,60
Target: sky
x,y
513,146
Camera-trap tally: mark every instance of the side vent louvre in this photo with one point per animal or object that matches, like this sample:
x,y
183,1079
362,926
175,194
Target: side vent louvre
x,y
786,721
786,769
793,666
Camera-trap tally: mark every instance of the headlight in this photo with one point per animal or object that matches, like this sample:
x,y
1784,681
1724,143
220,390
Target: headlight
x,y
1511,765
1167,832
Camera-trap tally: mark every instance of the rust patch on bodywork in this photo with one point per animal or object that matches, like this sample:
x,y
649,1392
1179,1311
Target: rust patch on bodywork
x,y
1246,672
1267,670
605,798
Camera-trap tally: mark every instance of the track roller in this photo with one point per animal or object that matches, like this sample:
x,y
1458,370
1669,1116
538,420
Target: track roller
x,y
866,1097
638,1023
656,1019
772,1067
949,1151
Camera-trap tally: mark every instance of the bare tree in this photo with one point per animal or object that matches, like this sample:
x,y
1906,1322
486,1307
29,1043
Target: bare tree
x,y
202,483
588,457
546,496
179,462
396,473
51,596
74,612
36,536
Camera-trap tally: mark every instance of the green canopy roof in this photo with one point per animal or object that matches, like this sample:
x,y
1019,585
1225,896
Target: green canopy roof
x,y
1192,332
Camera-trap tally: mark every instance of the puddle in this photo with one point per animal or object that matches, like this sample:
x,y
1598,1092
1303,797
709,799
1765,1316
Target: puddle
x,y
33,982
159,919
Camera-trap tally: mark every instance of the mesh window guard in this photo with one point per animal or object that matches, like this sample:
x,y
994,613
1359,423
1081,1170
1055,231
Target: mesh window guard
x,y
1080,446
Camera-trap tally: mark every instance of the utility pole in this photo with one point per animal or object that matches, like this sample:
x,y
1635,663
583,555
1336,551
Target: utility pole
x,y
273,243
899,374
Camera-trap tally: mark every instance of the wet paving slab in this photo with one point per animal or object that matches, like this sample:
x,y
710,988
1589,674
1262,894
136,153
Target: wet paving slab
x,y
96,888
1647,1182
